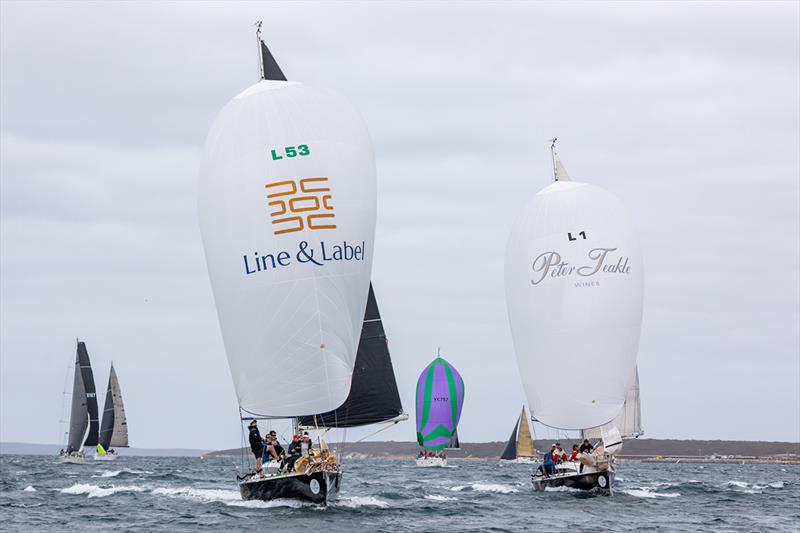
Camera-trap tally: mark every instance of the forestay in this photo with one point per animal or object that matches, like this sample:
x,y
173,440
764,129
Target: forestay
x,y
373,394
629,419
574,298
287,215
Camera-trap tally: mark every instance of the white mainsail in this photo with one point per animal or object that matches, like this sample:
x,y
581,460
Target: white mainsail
x,y
629,419
574,298
119,435
287,204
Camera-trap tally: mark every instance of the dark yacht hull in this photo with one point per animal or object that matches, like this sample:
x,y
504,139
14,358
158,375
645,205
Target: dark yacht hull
x,y
317,487
599,481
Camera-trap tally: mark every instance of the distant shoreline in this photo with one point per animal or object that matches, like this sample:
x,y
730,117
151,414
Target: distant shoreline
x,y
27,448
637,450
634,451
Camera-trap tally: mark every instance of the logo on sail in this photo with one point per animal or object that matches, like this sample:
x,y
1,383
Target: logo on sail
x,y
300,204
550,264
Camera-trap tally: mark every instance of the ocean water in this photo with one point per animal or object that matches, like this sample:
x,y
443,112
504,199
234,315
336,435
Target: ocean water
x,y
184,494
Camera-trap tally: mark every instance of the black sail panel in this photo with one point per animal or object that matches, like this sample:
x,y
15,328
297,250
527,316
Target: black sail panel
x,y
454,443
107,426
510,452
373,394
270,67
91,395
78,417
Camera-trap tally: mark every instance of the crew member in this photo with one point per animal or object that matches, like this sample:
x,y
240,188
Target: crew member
x,y
256,445
586,447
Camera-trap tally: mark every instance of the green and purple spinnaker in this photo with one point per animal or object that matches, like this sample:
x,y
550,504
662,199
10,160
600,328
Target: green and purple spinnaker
x,y
440,395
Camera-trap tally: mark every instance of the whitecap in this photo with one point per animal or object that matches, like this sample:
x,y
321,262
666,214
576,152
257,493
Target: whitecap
x,y
740,484
109,473
360,501
440,498
115,473
29,488
206,495
259,504
776,485
225,496
486,487
93,491
647,493
561,489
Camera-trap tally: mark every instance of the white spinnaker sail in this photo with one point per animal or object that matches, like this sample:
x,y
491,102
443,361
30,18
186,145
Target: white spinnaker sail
x,y
629,419
574,298
287,205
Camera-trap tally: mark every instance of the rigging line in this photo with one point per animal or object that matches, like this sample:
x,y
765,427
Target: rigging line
x,y
387,426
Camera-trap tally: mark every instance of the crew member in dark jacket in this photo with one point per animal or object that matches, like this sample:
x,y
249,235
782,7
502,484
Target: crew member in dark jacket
x,y
294,452
256,445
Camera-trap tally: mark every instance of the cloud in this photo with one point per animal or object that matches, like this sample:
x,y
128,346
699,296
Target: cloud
x,y
689,112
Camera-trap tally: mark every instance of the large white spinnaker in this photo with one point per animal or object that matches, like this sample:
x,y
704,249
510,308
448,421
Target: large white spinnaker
x,y
574,295
287,207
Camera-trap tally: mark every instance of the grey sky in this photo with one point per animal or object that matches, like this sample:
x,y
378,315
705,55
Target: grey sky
x,y
689,112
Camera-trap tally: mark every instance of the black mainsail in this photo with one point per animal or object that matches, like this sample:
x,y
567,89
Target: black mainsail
x,y
454,442
373,394
114,428
83,423
269,67
510,451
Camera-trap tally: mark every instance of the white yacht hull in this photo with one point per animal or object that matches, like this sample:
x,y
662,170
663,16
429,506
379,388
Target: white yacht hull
x,y
72,459
431,462
521,461
106,458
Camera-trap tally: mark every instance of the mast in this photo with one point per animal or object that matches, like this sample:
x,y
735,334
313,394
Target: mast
x,y
260,52
553,157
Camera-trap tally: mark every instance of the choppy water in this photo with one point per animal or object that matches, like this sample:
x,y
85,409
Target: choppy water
x,y
183,494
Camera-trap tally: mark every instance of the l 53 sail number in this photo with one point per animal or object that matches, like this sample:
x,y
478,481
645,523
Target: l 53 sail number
x,y
290,151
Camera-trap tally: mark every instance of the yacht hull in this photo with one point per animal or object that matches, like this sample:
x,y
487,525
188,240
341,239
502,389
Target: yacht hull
x,y
431,462
316,487
600,480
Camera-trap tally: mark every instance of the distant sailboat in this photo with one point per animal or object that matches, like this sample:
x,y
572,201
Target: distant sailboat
x,y
628,422
83,424
114,427
440,397
519,447
287,205
574,293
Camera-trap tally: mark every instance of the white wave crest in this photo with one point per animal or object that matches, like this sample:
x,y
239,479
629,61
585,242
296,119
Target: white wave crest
x,y
93,491
208,495
648,493
440,498
740,484
360,501
29,488
561,489
115,473
486,487
777,485
225,496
